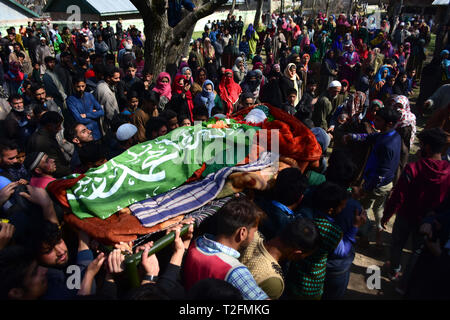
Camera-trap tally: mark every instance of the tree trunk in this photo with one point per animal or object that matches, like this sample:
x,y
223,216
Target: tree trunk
x,y
233,5
164,45
258,14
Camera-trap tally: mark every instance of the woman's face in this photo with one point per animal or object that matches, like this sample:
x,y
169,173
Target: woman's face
x,y
188,74
202,76
208,88
404,78
165,80
241,63
385,73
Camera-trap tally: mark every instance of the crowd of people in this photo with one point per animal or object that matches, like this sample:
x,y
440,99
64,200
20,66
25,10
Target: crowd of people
x,y
71,100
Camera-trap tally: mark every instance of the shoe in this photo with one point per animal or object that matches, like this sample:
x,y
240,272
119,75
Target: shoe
x,y
394,276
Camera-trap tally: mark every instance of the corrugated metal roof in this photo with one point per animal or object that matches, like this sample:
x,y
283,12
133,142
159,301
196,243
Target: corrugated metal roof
x,y
441,2
112,6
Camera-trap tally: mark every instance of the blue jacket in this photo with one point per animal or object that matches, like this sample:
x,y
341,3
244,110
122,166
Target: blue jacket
x,y
244,47
383,160
174,12
86,105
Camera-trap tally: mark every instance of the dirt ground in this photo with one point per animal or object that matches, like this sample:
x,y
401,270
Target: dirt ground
x,y
365,257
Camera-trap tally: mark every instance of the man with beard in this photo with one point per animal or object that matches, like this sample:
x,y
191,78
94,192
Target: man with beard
x,y
41,167
42,102
9,164
105,93
79,135
18,124
216,256
42,51
85,108
327,104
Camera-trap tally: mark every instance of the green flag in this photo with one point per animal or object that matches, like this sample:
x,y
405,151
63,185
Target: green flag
x,y
157,166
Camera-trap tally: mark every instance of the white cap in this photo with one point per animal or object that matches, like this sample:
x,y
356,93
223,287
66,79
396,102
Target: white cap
x,y
43,38
128,46
334,84
126,131
402,24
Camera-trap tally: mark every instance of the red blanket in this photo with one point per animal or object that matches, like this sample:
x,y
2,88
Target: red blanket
x,y
295,139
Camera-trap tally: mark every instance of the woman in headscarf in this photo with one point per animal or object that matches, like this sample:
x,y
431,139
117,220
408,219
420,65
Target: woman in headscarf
x,y
230,53
388,50
296,33
209,98
400,58
197,50
239,70
290,79
211,70
349,64
305,40
401,85
270,61
379,81
322,47
163,88
388,89
271,92
200,78
182,103
178,85
192,62
208,51
229,92
328,70
186,71
252,38
251,84
363,52
337,46
406,128
407,120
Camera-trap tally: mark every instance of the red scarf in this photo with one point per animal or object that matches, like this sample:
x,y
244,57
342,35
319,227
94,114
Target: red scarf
x,y
176,88
229,91
190,104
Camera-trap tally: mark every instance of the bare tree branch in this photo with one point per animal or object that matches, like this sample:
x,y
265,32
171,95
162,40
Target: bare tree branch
x,y
193,17
143,6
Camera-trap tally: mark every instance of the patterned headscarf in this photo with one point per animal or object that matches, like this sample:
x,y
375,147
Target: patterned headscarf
x,y
408,118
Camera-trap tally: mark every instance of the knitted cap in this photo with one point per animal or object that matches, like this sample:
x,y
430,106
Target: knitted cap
x,y
126,131
32,160
334,84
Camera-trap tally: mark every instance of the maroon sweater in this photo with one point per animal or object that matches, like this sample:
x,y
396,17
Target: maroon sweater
x,y
422,187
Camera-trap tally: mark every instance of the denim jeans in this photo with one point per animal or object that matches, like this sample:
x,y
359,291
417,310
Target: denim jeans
x,y
337,278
